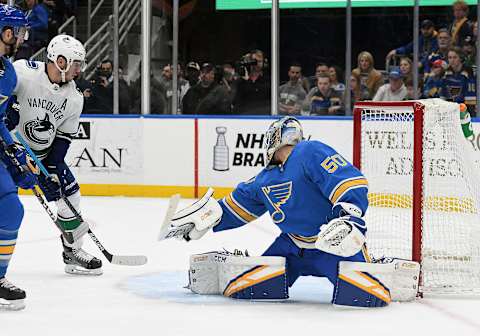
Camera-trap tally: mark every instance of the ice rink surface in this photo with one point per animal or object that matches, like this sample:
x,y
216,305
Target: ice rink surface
x,y
151,300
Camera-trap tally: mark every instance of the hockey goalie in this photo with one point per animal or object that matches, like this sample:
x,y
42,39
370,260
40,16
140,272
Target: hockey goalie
x,y
318,200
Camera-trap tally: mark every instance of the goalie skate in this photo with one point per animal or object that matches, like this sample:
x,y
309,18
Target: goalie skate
x,y
11,297
79,262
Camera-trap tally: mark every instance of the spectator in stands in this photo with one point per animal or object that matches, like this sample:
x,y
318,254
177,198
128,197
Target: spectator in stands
x,y
357,91
38,15
323,99
124,99
192,73
85,87
443,39
461,26
253,93
406,69
320,69
394,90
369,76
292,94
229,79
411,90
336,78
166,81
101,99
57,15
207,97
427,42
456,81
470,51
434,80
157,94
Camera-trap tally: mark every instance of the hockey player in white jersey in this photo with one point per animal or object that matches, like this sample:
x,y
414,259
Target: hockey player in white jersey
x,y
49,107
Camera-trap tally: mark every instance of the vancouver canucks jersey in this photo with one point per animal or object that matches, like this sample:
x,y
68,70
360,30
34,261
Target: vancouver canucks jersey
x,y
8,80
47,110
298,195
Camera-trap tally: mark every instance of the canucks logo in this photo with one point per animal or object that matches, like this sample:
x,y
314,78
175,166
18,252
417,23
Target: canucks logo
x,y
278,195
39,131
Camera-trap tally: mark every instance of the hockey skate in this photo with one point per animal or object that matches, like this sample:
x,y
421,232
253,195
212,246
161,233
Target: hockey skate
x,y
77,261
11,297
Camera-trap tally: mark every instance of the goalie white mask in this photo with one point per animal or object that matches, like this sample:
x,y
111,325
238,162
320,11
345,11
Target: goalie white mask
x,y
71,49
285,131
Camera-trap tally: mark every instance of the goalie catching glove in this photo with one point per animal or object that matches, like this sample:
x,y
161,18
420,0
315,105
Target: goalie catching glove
x,y
344,236
199,217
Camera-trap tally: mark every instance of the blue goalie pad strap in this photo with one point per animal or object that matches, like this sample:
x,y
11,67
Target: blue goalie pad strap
x,y
259,283
361,290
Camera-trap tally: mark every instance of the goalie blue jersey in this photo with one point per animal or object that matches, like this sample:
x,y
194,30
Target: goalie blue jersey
x,y
299,195
8,81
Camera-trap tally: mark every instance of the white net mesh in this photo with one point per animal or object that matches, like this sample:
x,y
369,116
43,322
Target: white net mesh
x,y
450,222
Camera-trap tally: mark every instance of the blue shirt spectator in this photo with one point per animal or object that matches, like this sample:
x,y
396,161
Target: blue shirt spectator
x,y
427,42
37,15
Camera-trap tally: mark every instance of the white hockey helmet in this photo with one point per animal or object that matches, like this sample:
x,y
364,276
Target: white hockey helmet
x,y
68,47
282,132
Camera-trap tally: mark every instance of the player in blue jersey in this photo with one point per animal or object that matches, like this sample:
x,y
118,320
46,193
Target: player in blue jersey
x,y
13,166
318,200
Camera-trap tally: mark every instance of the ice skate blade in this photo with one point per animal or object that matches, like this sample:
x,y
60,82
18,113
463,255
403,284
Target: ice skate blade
x,y
12,305
78,270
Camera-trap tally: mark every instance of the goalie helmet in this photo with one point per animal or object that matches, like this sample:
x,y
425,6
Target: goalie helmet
x,y
71,49
285,131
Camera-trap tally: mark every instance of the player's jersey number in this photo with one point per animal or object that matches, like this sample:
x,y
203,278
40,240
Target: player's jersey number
x,y
331,163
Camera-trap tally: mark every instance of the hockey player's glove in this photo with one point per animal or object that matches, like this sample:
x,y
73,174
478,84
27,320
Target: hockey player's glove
x,y
16,162
12,116
51,187
198,217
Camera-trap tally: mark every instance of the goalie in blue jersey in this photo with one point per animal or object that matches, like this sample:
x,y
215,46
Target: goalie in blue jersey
x,y
317,199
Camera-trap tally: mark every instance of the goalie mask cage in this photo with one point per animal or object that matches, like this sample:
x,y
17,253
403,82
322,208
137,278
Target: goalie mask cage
x,y
424,190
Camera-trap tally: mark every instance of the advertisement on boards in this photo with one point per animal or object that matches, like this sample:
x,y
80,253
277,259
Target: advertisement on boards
x,y
107,151
232,150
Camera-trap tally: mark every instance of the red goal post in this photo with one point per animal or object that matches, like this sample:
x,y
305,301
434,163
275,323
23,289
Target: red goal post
x,y
423,189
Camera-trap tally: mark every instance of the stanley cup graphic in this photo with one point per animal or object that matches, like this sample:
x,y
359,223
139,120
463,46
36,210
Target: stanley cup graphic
x,y
220,150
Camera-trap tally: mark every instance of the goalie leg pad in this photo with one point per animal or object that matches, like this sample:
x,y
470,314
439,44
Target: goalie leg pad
x,y
238,276
401,276
355,288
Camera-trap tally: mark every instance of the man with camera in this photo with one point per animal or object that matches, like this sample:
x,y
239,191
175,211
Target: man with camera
x,y
100,96
253,91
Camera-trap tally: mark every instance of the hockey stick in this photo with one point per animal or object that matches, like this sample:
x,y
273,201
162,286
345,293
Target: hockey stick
x,y
134,260
40,198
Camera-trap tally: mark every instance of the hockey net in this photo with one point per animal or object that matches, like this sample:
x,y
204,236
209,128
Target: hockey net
x,y
424,190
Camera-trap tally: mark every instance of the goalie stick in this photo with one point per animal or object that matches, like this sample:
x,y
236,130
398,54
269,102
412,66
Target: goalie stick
x,y
134,260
